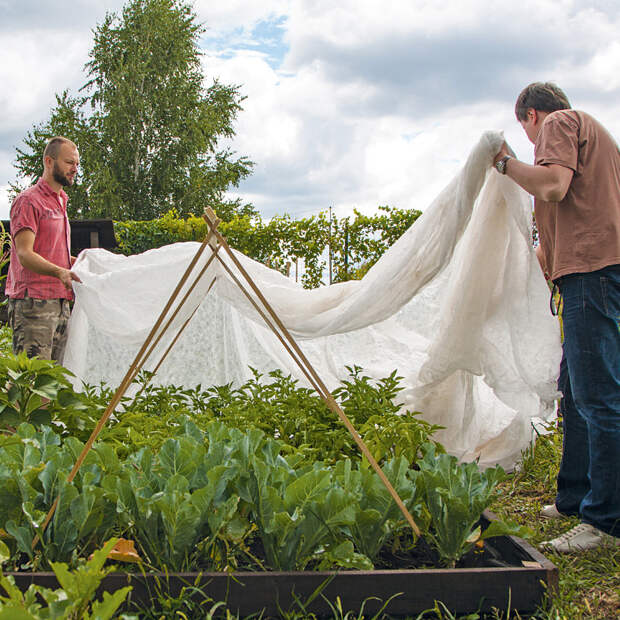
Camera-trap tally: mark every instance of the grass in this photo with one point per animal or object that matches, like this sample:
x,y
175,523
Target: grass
x,y
589,585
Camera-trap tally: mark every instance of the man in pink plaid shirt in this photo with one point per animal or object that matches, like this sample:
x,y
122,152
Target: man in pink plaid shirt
x,y
39,282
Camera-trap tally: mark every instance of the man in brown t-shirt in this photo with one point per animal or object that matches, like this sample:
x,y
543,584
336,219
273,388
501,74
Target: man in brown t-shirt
x,y
575,181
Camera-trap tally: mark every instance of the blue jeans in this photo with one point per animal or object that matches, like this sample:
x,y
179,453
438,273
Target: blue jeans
x,y
589,477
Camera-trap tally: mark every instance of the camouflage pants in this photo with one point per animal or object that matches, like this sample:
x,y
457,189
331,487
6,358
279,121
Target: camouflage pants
x,y
39,326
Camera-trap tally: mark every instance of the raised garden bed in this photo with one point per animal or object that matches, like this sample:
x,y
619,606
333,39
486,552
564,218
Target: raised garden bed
x,y
516,577
194,493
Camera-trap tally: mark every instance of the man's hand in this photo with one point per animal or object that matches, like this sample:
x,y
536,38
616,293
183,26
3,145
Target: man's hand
x,y
503,151
67,278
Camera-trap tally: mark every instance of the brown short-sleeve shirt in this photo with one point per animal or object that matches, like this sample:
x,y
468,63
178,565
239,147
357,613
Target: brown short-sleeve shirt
x,y
581,233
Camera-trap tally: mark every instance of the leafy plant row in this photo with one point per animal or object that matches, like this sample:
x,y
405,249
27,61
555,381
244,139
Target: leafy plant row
x,y
274,404
210,499
262,476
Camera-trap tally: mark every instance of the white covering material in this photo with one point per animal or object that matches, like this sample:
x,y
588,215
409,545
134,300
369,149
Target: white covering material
x,y
458,305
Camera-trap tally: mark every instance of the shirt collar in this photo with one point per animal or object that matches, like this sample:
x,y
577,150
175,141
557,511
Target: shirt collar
x,y
44,186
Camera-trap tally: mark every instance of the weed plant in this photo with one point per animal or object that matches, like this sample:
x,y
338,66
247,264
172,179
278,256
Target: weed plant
x,y
6,338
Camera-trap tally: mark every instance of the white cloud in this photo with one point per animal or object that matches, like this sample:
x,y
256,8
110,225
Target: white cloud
x,y
426,55
334,125
33,80
31,84
602,71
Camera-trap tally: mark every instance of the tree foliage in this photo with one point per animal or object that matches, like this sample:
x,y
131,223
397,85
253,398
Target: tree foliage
x,y
147,129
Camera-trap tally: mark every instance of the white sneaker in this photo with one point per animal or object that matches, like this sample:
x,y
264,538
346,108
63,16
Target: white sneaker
x,y
551,512
580,538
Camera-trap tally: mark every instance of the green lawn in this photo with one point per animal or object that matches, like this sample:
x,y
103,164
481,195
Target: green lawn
x,y
589,581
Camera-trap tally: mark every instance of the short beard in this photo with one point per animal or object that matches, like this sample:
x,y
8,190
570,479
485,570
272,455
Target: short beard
x,y
61,178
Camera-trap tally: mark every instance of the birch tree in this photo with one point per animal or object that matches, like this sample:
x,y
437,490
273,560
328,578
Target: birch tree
x,y
147,127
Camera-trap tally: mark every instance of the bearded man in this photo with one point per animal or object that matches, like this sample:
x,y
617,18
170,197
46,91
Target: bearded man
x,y
39,284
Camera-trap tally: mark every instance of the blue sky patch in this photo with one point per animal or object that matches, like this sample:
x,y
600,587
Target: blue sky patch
x,y
266,37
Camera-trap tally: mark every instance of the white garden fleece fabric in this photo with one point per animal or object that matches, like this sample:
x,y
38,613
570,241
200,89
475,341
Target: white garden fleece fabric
x,y
458,306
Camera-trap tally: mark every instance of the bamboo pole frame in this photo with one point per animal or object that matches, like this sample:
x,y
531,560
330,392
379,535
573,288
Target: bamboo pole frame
x,y
215,240
306,367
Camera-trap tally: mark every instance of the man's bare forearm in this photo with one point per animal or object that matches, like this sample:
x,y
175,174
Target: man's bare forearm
x,y
548,182
543,182
35,262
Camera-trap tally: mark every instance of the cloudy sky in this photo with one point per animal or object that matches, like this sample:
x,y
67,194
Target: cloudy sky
x,y
350,103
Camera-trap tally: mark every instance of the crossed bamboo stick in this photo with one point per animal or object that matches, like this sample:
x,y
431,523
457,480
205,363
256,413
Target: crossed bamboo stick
x,y
216,241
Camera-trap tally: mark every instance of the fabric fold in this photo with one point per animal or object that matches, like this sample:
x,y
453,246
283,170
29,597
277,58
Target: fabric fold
x,y
458,306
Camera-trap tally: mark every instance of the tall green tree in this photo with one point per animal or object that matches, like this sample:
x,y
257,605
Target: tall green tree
x,y
66,119
147,129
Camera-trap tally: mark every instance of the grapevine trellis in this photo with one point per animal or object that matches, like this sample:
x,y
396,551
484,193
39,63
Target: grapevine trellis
x,y
299,248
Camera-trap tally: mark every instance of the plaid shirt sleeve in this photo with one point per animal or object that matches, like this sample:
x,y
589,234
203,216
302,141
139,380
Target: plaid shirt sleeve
x,y
23,215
